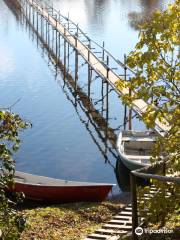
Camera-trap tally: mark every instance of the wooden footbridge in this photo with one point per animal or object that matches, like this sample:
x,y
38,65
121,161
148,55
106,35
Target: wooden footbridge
x,y
69,35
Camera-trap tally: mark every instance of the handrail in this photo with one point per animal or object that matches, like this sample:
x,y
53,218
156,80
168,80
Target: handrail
x,y
158,177
88,38
143,173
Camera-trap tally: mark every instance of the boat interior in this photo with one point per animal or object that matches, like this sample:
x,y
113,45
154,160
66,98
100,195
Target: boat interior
x,y
138,146
31,179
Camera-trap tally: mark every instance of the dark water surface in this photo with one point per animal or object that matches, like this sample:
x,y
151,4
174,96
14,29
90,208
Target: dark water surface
x,y
66,141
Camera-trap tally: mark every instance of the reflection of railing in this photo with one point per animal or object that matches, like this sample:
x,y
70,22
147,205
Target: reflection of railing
x,y
149,173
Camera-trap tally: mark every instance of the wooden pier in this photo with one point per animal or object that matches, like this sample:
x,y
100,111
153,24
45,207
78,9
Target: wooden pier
x,y
106,66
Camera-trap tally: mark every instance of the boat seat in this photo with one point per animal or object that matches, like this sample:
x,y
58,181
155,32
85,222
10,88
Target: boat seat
x,y
136,157
126,139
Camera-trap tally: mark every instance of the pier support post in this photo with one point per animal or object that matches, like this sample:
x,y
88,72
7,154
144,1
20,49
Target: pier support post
x,y
30,13
42,26
33,16
130,113
52,35
64,58
102,96
48,34
68,45
76,57
26,8
59,47
56,45
37,22
89,71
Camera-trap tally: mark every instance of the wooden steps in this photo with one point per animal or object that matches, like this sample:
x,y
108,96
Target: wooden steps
x,y
117,221
120,224
123,217
110,231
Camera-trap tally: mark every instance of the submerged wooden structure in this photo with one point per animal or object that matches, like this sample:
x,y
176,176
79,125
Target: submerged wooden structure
x,y
66,37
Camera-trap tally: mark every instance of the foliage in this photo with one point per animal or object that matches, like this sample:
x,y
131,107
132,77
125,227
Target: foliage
x,y
10,125
163,204
156,63
67,221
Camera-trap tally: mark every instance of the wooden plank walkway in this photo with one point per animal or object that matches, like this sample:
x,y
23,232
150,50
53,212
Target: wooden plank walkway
x,y
102,69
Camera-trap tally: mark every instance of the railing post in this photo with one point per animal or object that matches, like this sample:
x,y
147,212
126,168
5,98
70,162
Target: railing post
x,y
103,51
59,16
107,62
77,31
68,20
134,205
52,10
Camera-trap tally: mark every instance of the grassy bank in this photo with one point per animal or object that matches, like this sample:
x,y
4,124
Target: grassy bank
x,y
67,222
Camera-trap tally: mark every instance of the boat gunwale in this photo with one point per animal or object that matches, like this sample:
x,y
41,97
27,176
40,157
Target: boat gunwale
x,y
74,183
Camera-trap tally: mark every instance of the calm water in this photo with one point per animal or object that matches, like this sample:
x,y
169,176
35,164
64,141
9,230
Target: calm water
x,y
65,140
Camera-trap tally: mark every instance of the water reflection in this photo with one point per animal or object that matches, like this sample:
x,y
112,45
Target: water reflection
x,y
145,12
97,14
103,136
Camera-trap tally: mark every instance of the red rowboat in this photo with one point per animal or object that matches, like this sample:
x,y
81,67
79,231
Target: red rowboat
x,y
47,189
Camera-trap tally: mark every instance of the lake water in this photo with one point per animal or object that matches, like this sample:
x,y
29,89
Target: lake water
x,y
65,140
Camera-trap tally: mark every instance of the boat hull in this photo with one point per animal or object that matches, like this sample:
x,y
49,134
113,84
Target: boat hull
x,y
46,189
131,165
65,194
